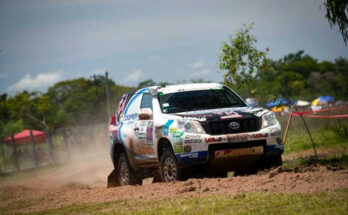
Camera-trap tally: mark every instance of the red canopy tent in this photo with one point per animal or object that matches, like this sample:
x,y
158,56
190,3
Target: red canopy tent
x,y
23,137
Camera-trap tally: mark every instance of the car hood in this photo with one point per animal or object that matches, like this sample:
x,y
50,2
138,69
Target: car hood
x,y
222,113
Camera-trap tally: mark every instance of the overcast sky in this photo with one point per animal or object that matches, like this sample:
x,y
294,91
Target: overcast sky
x,y
45,41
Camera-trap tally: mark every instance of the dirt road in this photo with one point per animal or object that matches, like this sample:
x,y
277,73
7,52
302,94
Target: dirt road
x,y
85,182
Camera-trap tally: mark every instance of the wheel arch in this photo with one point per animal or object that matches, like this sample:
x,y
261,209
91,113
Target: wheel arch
x,y
163,143
118,148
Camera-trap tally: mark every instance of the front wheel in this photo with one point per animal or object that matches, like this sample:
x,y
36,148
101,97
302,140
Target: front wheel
x,y
170,170
125,173
271,162
275,161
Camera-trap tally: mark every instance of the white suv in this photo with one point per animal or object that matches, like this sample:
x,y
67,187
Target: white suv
x,y
176,131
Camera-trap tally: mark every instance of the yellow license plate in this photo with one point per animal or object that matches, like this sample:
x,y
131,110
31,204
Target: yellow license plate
x,y
257,150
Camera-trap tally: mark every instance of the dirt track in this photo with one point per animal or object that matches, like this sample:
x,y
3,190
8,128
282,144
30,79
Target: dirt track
x,y
85,182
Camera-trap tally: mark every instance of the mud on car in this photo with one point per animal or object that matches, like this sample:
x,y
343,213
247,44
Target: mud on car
x,y
177,131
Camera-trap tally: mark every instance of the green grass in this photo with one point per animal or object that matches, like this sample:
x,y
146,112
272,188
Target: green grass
x,y
324,137
250,203
28,173
339,160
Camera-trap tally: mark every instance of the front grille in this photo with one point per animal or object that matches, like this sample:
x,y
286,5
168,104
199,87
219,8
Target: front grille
x,y
223,127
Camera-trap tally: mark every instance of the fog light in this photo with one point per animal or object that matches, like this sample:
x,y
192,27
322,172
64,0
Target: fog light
x,y
279,141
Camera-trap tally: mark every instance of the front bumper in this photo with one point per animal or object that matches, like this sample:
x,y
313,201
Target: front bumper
x,y
201,148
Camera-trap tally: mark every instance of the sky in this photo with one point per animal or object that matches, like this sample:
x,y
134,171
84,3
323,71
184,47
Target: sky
x,y
46,41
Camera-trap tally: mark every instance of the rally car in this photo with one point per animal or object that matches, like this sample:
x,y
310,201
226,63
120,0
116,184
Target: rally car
x,y
173,132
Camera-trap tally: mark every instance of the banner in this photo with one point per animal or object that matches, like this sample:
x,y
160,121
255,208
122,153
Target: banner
x,y
308,113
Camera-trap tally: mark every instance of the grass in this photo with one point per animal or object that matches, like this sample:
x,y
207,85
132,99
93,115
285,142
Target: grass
x,y
328,136
338,160
28,173
249,203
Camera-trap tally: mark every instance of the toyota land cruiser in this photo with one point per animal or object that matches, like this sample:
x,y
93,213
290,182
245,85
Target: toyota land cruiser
x,y
175,131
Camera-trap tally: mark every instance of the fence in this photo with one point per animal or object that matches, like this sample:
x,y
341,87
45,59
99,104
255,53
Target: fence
x,y
60,146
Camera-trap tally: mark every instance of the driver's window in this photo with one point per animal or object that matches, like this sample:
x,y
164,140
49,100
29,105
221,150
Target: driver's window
x,y
146,101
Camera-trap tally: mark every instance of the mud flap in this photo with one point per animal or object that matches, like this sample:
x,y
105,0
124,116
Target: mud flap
x,y
112,180
157,178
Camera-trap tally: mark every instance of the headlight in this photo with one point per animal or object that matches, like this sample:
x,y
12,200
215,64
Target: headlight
x,y
190,126
269,119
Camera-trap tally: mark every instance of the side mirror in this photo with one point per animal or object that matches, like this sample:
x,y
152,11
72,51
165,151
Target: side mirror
x,y
252,102
145,114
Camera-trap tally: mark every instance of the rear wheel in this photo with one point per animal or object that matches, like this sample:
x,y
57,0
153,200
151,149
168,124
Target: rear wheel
x,y
125,173
169,168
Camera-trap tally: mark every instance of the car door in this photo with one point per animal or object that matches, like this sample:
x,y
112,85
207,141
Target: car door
x,y
143,130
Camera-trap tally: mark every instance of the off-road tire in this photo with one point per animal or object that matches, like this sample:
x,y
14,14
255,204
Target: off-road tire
x,y
170,169
275,161
125,173
271,162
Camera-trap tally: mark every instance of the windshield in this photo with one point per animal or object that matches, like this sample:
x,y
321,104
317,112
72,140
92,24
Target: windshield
x,y
199,100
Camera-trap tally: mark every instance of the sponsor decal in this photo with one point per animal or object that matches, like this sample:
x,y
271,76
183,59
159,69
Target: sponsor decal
x,y
187,148
173,129
149,132
239,152
193,141
192,136
166,126
197,115
234,138
178,134
260,135
141,136
175,139
195,118
178,149
231,116
236,135
130,117
261,113
178,143
213,139
190,155
121,107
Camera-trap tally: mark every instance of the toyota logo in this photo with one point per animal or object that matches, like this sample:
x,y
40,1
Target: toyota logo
x,y
234,125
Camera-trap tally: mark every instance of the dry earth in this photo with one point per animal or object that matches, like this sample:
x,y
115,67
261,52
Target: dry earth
x,y
85,182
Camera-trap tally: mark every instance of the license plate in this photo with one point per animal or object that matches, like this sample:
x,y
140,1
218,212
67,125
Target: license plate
x,y
238,139
257,150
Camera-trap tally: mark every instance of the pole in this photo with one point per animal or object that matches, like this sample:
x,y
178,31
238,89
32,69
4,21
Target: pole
x,y
33,148
15,156
107,96
66,143
310,137
95,85
3,154
287,128
49,145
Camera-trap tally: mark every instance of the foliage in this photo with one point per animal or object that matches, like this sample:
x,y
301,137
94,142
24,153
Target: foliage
x,y
146,83
67,103
336,14
241,59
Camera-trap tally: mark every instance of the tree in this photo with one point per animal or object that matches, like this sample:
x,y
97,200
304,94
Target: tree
x,y
146,83
336,14
240,57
